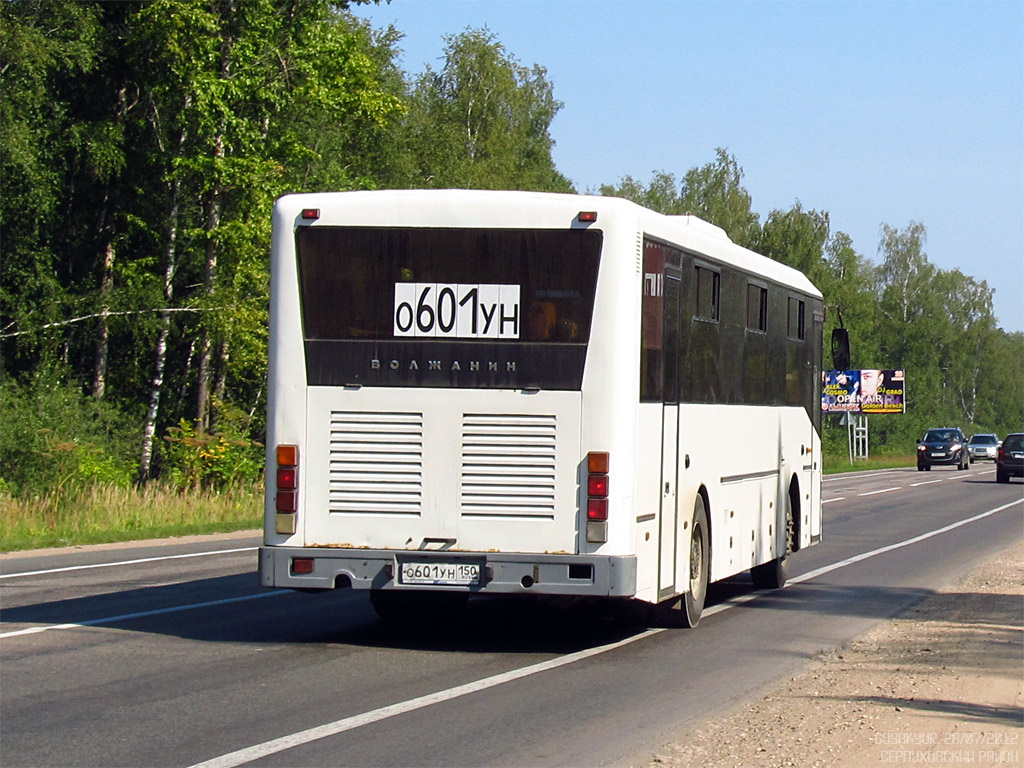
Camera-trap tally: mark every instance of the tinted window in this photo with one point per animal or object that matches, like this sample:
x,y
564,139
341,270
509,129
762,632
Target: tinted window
x,y
757,308
796,324
466,308
452,284
708,299
651,322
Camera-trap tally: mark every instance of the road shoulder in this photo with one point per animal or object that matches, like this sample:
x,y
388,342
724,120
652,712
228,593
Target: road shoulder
x,y
942,683
227,536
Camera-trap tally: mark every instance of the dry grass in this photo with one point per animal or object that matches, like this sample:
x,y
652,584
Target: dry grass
x,y
109,513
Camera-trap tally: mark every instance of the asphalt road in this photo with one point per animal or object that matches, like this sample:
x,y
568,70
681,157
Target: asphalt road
x,y
172,655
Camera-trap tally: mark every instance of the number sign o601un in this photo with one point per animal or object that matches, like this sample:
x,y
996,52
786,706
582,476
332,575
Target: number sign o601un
x,y
457,310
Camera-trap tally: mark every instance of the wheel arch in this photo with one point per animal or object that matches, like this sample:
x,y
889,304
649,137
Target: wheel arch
x,y
795,508
703,493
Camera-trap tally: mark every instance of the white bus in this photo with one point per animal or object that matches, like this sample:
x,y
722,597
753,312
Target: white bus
x,y
477,392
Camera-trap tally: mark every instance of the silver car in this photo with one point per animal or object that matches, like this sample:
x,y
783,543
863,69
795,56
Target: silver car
x,y
983,447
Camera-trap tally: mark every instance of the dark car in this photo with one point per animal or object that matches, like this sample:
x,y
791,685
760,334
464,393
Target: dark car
x,y
1010,459
945,445
982,447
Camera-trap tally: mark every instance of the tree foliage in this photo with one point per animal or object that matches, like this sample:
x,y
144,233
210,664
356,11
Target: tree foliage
x,y
142,144
483,121
902,312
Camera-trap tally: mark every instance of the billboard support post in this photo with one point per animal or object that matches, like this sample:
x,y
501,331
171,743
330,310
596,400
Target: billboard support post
x,y
858,437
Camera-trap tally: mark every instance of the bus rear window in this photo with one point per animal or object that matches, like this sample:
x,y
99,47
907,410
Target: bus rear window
x,y
374,284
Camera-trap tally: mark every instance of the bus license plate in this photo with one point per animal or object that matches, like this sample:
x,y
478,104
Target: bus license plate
x,y
444,574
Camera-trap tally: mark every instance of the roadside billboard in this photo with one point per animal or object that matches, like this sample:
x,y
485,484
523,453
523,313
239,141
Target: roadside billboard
x,y
869,390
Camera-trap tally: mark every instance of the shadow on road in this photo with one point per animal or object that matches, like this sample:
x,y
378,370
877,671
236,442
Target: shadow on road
x,y
489,625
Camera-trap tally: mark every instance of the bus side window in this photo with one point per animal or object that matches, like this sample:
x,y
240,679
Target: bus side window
x,y
652,307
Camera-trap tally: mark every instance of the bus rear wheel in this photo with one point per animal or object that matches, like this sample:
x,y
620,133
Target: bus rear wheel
x,y
685,610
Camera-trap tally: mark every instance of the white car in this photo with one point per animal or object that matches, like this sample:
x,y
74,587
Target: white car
x,y
983,447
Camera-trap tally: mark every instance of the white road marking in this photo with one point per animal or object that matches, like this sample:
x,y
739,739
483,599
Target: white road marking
x,y
926,482
900,545
884,490
249,754
127,562
139,615
829,501
858,475
259,751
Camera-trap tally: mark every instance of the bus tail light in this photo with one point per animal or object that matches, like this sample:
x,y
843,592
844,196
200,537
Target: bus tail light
x,y
597,486
597,510
287,496
598,465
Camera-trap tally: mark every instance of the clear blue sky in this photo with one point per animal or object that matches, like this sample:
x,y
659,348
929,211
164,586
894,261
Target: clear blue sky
x,y
877,112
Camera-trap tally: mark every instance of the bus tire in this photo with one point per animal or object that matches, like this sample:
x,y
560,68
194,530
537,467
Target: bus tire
x,y
398,605
685,611
771,575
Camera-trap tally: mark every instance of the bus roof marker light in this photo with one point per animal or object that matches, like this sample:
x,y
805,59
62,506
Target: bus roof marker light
x,y
310,214
586,217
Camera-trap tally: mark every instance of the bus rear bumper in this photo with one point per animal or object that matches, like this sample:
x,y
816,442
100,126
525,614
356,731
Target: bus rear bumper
x,y
499,573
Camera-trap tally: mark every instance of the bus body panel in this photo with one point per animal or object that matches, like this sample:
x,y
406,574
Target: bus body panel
x,y
744,461
647,513
498,475
421,469
610,377
504,573
286,365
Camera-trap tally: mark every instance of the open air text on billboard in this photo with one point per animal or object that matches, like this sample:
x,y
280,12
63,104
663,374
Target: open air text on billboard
x,y
870,390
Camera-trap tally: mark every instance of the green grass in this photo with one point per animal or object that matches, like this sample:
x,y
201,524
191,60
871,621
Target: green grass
x,y
836,464
105,514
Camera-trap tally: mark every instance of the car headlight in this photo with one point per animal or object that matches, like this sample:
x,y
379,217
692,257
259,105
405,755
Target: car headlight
x,y
921,448
955,447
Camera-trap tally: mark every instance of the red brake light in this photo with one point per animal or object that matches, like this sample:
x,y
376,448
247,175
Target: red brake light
x,y
287,501
587,217
302,565
597,509
597,485
310,214
598,464
286,479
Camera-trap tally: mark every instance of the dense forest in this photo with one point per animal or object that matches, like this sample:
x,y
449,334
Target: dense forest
x,y
143,145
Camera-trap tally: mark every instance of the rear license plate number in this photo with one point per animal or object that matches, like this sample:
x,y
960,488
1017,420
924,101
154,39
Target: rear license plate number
x,y
442,574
